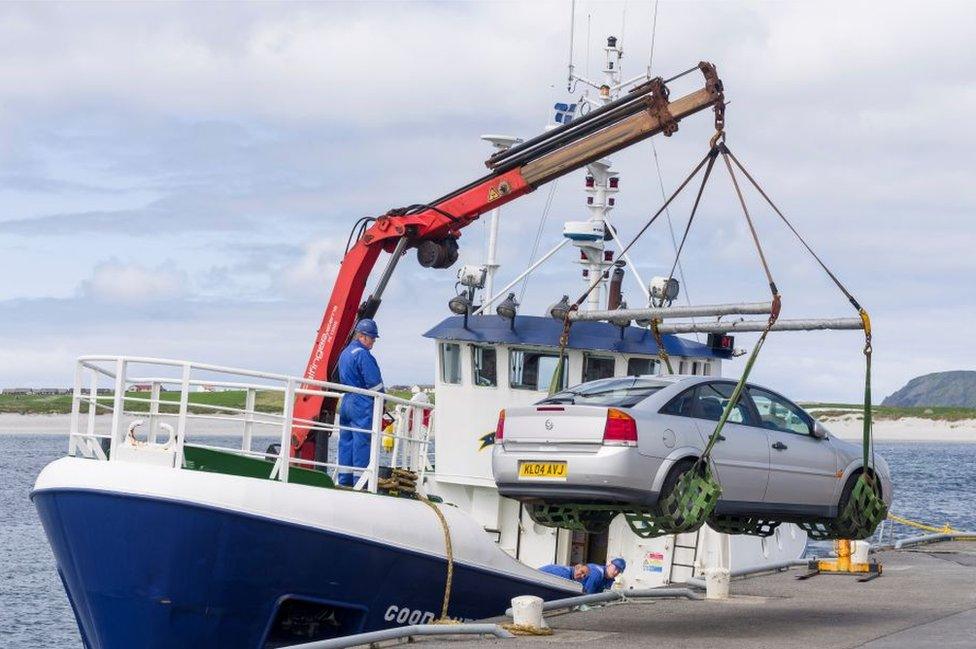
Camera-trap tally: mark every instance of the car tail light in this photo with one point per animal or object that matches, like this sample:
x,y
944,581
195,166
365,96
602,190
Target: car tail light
x,y
620,430
500,428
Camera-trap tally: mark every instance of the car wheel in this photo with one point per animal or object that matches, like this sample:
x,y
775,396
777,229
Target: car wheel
x,y
679,469
845,495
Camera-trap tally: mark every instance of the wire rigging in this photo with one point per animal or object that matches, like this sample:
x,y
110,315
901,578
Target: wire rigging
x,y
538,235
660,178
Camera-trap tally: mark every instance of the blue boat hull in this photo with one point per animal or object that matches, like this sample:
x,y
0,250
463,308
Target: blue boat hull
x,y
148,572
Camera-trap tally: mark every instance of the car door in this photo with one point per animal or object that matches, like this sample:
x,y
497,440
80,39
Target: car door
x,y
802,468
741,456
675,424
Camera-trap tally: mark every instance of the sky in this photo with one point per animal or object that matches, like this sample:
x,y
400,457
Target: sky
x,y
178,180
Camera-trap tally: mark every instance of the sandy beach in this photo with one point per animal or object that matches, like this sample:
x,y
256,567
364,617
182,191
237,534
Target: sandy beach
x,y
909,429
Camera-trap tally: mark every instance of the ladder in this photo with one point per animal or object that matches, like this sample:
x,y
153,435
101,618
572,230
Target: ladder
x,y
684,554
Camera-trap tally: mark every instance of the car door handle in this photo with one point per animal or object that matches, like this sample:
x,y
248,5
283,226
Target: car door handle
x,y
780,446
720,438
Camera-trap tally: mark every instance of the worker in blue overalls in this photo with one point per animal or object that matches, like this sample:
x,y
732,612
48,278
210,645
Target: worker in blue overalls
x,y
357,368
600,578
578,572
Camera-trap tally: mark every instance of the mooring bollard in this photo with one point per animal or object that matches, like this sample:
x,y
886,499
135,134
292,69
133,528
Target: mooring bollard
x,y
527,611
717,583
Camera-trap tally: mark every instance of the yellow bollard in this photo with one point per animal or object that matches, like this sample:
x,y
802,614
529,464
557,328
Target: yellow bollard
x,y
843,565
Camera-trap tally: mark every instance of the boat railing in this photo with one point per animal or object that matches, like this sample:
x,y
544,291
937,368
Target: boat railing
x,y
155,411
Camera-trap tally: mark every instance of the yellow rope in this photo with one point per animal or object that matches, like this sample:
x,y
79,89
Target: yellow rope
x,y
449,549
526,629
945,529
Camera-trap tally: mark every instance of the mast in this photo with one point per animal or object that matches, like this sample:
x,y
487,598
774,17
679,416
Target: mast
x,y
499,143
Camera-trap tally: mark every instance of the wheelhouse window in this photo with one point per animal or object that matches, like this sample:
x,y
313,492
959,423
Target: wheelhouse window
x,y
597,367
712,399
695,367
776,413
451,363
641,366
485,366
532,370
617,392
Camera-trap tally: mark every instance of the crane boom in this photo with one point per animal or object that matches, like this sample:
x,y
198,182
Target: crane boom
x,y
434,228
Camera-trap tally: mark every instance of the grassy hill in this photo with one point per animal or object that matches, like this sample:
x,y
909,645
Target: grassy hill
x,y
882,412
940,389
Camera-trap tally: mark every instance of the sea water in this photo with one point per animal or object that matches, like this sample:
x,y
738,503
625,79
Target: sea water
x,y
934,482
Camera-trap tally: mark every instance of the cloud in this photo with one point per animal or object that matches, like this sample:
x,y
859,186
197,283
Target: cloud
x,y
132,283
228,148
317,267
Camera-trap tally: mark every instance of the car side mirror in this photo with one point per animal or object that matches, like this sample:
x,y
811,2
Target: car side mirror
x,y
819,430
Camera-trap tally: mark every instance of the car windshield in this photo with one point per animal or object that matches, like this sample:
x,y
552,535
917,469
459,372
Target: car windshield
x,y
622,392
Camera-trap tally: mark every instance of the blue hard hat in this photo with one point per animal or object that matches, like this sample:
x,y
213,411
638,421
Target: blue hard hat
x,y
367,326
620,563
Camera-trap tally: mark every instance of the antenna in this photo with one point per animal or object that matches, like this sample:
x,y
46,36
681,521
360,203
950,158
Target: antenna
x,y
650,59
572,33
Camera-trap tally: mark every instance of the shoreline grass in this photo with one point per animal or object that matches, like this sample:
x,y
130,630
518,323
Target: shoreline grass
x,y
60,404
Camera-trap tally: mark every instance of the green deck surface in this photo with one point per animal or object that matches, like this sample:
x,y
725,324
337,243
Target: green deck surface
x,y
229,463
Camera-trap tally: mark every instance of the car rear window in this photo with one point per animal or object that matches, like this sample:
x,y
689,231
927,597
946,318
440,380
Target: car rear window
x,y
620,393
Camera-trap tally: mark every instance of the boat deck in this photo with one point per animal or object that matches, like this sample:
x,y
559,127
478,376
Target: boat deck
x,y
925,598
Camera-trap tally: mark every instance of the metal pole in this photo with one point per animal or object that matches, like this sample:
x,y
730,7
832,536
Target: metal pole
x,y
488,302
837,324
932,538
374,445
117,403
615,595
181,421
675,311
248,419
286,430
754,570
500,143
623,253
405,632
95,444
154,411
75,411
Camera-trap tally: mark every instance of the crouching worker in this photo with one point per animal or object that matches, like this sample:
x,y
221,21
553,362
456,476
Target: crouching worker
x,y
357,368
600,577
577,572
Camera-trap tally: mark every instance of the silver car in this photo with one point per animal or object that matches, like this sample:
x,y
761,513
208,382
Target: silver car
x,y
622,440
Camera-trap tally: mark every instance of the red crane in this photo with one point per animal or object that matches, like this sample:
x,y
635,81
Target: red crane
x,y
433,228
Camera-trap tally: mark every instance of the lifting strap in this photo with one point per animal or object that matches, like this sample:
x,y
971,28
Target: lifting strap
x,y
555,386
867,433
773,313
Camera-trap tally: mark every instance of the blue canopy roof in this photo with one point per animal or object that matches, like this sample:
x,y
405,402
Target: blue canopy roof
x,y
538,330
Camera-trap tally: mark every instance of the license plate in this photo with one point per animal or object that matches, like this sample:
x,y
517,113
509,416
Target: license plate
x,y
543,470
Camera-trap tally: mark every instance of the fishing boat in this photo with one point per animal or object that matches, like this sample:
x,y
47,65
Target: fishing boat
x,y
166,534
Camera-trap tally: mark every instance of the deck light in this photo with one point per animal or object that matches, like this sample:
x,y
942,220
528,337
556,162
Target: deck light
x,y
508,307
459,304
560,309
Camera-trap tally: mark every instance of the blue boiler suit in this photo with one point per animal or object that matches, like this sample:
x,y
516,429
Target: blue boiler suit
x,y
566,572
596,582
357,368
